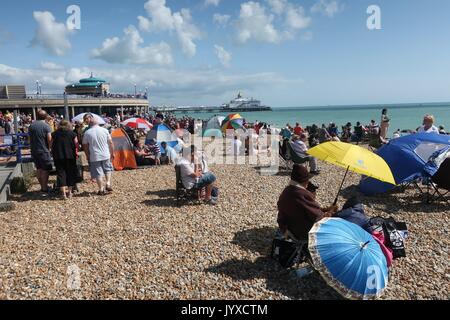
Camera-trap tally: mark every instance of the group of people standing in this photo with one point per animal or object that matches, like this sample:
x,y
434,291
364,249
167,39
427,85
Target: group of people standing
x,y
60,148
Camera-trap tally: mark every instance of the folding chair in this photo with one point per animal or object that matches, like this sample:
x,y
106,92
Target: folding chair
x,y
183,194
284,157
295,158
440,181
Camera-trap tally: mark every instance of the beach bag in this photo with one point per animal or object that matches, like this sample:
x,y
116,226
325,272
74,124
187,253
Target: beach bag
x,y
394,234
287,252
379,237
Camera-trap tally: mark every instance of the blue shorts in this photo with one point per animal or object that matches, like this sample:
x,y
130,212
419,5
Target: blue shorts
x,y
100,168
205,180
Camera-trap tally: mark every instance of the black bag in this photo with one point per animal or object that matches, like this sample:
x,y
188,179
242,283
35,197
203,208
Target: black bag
x,y
80,174
287,253
393,238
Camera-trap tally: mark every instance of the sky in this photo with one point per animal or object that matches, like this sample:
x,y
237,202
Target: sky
x,y
286,53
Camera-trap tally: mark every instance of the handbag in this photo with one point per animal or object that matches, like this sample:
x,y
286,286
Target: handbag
x,y
393,234
287,252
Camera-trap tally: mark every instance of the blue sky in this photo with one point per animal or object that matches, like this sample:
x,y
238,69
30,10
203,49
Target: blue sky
x,y
285,52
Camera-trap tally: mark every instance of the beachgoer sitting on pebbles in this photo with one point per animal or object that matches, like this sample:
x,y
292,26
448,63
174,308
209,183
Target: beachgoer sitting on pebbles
x,y
298,210
193,173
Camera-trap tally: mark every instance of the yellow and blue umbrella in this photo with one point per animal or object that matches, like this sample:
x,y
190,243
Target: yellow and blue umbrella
x,y
233,122
353,158
348,258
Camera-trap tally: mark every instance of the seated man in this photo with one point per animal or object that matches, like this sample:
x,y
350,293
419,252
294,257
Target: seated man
x,y
299,146
143,157
297,209
193,176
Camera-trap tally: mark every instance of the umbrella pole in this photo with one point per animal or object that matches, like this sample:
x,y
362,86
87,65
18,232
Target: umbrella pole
x,y
340,189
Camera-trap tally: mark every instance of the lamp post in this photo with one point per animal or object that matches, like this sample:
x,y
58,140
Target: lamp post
x,y
135,90
37,87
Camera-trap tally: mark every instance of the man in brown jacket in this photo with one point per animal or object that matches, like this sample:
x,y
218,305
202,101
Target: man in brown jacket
x,y
297,209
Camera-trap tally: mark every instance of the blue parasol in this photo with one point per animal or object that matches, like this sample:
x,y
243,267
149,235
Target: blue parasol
x,y
349,259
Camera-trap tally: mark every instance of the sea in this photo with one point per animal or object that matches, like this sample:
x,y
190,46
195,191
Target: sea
x,y
403,116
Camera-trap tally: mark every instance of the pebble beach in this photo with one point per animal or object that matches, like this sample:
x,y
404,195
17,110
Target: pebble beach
x,y
137,244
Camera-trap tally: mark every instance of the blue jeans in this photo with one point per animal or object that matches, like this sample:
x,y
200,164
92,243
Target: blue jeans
x,y
205,180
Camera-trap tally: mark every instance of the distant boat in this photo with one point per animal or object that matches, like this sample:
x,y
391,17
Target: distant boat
x,y
241,104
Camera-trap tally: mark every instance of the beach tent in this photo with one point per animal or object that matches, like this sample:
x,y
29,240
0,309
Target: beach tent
x,y
124,157
161,133
214,123
217,133
407,157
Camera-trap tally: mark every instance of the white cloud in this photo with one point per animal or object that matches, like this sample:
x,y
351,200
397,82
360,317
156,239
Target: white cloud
x,y
51,35
327,8
296,18
162,19
46,65
166,85
221,19
223,55
255,24
279,22
277,6
128,50
214,3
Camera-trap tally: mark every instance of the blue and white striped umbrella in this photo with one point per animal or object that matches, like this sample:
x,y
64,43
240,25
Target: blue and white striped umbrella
x,y
161,133
349,259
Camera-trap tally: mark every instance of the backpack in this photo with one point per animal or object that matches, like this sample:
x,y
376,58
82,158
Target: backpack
x,y
394,234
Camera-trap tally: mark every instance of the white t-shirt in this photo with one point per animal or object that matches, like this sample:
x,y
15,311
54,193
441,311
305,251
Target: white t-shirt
x,y
432,129
236,147
97,138
187,169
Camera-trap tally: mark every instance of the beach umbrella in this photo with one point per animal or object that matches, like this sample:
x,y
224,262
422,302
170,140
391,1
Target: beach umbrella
x,y
79,118
353,158
348,258
138,123
213,133
161,133
214,123
233,122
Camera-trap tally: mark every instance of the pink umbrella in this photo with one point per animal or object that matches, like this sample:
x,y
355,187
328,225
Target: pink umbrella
x,y
138,123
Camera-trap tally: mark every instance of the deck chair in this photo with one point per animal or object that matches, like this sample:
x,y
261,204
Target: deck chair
x,y
374,142
183,194
438,186
295,158
283,153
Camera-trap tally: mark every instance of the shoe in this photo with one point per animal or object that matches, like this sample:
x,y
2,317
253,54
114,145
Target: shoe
x,y
317,172
101,193
109,189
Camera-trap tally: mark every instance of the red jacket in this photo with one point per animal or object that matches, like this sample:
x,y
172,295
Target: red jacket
x,y
298,211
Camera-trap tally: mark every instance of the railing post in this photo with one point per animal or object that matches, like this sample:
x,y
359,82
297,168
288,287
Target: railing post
x,y
19,150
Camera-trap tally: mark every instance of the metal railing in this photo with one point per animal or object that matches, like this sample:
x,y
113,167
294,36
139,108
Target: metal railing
x,y
83,97
17,142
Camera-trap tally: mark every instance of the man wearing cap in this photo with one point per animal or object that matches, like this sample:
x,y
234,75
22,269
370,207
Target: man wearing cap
x,y
297,209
